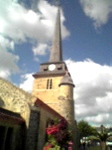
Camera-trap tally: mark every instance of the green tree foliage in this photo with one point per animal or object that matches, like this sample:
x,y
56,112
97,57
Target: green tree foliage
x,y
103,136
85,129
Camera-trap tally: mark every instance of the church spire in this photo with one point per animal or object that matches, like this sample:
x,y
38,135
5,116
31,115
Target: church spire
x,y
56,50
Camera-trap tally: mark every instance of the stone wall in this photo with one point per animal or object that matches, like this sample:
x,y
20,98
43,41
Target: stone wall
x,y
36,116
14,99
58,98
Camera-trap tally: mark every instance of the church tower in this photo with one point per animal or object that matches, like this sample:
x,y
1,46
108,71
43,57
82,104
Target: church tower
x,y
53,83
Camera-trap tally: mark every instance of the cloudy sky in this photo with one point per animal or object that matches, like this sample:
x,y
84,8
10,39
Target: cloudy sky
x,y
26,30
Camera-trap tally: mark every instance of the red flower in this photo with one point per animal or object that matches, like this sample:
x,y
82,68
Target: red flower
x,y
48,146
58,132
52,130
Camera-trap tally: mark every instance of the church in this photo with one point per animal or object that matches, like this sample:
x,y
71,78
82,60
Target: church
x,y
23,116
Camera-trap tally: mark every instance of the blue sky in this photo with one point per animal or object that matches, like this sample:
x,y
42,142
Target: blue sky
x,y
26,31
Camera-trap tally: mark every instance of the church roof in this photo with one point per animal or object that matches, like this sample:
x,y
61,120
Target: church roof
x,y
67,80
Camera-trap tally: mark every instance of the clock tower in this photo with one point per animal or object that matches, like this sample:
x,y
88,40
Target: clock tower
x,y
53,83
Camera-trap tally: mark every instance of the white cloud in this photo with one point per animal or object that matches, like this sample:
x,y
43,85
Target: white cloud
x,y
27,83
17,24
41,49
6,43
8,63
100,118
98,10
49,13
5,74
93,91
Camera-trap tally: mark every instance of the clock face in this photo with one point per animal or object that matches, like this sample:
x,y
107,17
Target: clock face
x,y
51,67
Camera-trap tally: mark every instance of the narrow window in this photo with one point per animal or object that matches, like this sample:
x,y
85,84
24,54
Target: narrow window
x,y
49,84
47,87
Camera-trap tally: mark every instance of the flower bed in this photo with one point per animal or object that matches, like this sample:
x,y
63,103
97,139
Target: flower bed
x,y
58,135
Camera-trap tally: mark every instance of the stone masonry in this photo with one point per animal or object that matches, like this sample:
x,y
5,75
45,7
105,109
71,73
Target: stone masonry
x,y
35,116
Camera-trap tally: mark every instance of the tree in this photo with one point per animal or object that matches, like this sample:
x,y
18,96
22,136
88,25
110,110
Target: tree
x,y
85,129
101,136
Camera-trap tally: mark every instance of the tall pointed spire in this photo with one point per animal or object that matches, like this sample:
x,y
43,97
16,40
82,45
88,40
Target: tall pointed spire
x,y
56,51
